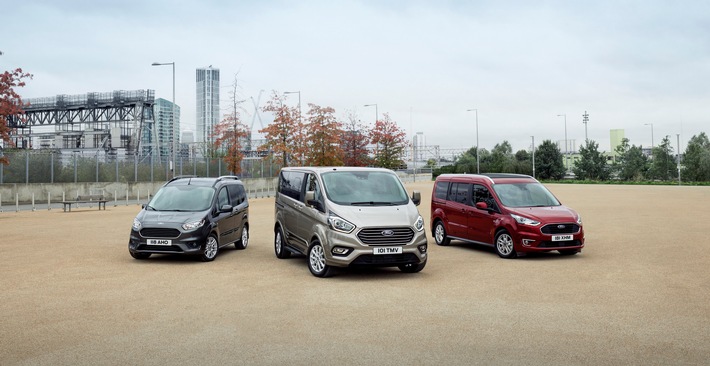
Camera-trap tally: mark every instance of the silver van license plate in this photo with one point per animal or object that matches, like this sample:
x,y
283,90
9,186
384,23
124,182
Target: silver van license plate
x,y
387,250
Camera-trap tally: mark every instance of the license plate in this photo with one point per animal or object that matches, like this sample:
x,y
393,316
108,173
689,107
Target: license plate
x,y
160,242
386,250
561,237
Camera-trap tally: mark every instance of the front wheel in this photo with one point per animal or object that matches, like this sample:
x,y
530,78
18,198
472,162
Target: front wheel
x,y
316,260
440,234
244,241
412,267
504,245
209,249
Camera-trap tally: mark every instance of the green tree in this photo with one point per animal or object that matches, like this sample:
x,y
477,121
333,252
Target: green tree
x,y
696,160
663,161
502,159
631,164
548,161
523,162
592,164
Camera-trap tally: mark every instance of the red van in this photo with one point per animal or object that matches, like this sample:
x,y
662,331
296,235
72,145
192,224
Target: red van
x,y
514,213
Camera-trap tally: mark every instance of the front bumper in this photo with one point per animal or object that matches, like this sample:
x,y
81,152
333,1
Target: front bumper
x,y
186,243
359,254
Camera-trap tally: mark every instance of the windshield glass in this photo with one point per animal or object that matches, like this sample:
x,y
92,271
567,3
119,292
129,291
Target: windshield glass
x,y
364,188
182,198
525,195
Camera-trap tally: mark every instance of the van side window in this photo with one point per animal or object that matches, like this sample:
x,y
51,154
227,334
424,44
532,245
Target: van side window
x,y
459,193
441,189
290,184
222,198
481,194
236,194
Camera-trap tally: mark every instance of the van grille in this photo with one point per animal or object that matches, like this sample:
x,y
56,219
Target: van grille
x,y
553,229
385,235
152,232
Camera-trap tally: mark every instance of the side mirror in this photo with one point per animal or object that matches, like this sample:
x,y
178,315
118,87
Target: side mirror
x,y
225,208
310,196
311,201
416,198
482,206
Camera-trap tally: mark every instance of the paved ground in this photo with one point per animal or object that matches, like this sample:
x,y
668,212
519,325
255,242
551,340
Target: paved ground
x,y
638,294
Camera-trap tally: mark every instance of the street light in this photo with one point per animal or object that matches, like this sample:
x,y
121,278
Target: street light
x,y
174,139
678,143
533,154
377,115
650,124
299,102
566,153
478,148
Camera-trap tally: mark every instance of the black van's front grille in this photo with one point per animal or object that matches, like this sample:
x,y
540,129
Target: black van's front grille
x,y
386,236
152,232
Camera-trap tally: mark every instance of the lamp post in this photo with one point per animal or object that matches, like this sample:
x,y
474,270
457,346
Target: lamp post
x,y
585,119
299,102
478,152
678,143
533,154
566,152
172,127
377,115
650,124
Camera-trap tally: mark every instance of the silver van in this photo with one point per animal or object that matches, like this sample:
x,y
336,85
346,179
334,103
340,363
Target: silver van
x,y
346,217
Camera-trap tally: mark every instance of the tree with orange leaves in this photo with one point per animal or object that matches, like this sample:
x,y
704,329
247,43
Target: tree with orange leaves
x,y
231,133
356,137
285,136
323,137
390,143
11,105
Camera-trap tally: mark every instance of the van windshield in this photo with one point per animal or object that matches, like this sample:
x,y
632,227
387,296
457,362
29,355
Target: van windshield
x,y
182,198
525,195
364,188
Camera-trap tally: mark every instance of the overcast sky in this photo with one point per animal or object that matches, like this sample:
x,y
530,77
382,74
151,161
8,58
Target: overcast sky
x,y
520,63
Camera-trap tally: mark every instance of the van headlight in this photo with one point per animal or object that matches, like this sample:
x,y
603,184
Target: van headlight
x,y
579,219
525,221
190,226
137,224
339,224
419,224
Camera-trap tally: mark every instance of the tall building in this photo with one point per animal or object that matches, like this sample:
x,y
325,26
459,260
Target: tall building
x,y
166,128
207,103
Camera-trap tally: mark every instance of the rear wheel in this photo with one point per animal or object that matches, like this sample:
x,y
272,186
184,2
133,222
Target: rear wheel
x,y
316,260
140,255
209,249
280,245
412,267
244,241
440,234
504,245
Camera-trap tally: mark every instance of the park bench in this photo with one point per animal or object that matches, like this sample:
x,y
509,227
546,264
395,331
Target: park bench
x,y
89,198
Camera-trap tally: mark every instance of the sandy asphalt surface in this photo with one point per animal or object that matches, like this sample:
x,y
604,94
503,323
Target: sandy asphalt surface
x,y
639,294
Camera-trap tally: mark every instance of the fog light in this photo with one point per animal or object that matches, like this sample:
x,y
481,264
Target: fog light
x,y
341,251
527,242
422,248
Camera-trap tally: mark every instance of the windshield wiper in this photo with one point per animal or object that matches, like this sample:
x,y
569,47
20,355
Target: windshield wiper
x,y
373,203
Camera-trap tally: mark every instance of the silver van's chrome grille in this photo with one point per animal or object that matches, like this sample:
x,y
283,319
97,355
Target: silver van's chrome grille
x,y
386,235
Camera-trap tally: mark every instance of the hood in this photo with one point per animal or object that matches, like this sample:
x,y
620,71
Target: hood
x,y
547,215
380,216
169,217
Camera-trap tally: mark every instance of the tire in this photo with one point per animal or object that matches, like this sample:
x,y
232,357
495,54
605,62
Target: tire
x,y
280,245
316,260
569,252
140,255
209,249
504,245
439,234
244,241
412,267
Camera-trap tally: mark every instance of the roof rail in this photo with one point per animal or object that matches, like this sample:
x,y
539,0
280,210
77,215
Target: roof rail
x,y
181,176
228,177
